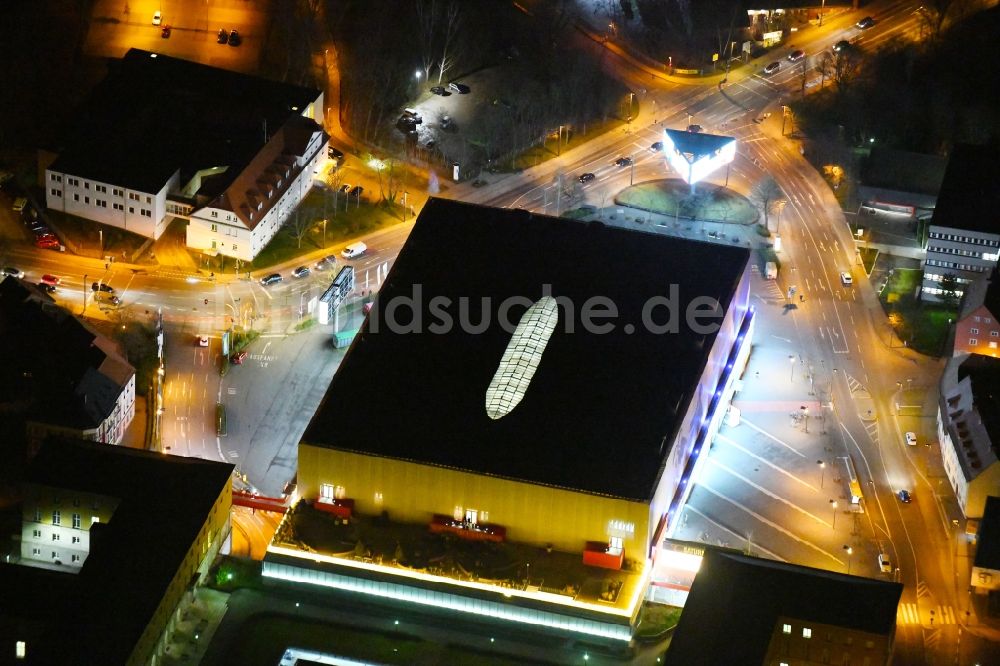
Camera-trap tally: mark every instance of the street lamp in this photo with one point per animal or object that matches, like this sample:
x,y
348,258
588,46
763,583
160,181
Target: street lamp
x,y
850,551
822,8
791,360
833,505
405,194
822,477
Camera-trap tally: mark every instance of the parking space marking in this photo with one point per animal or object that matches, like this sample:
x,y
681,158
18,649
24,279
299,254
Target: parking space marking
x,y
771,554
764,491
736,445
773,525
764,432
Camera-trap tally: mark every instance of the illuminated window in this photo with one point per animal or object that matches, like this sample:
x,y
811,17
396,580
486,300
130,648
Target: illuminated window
x,y
521,358
339,492
326,491
786,628
20,650
471,515
615,545
95,519
807,632
458,513
484,516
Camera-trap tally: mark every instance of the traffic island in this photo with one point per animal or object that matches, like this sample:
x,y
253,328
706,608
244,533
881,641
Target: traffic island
x,y
674,198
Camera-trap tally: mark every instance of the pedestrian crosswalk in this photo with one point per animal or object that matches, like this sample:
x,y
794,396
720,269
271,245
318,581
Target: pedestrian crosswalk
x,y
909,613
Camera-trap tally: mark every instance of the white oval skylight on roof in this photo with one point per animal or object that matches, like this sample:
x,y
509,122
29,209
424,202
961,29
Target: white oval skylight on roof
x,y
521,357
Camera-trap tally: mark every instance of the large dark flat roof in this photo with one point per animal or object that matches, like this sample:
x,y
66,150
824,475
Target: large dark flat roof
x,y
164,501
601,410
736,600
988,548
904,171
154,115
969,197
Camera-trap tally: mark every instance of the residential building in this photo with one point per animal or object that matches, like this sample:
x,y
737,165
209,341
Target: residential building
x,y
902,182
963,238
986,563
148,525
977,330
747,610
163,138
968,424
511,416
59,374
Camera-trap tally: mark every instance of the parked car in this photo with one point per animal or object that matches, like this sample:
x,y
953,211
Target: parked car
x,y
623,161
238,358
13,272
165,32
47,288
234,38
301,272
108,299
904,496
796,55
223,36
846,279
100,286
326,262
438,90
772,68
273,278
586,177
657,147
48,278
865,23
157,18
911,438
354,250
356,191
345,188
202,340
48,243
694,129
841,45
335,154
45,235
460,88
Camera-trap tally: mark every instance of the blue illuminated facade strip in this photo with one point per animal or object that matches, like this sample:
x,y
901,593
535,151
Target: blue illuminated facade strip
x,y
445,600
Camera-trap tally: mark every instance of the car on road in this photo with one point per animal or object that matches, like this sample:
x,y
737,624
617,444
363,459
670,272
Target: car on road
x,y
238,358
460,88
694,129
48,278
846,279
439,90
911,438
884,563
796,55
165,32
326,262
100,286
273,278
623,161
841,45
234,38
904,496
13,272
335,155
109,299
48,243
586,177
301,272
47,288
865,23
772,68
356,191
202,340
354,250
222,37
19,204
657,147
157,18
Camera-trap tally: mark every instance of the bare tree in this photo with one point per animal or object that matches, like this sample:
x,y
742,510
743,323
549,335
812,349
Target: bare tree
x,y
767,194
298,226
426,23
451,21
933,14
389,181
845,67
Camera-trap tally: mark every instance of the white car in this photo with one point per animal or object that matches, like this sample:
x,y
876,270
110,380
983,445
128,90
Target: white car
x,y
846,279
202,340
911,438
354,250
157,18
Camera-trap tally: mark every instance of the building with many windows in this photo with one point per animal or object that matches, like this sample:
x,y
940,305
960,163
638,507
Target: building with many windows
x,y
163,138
963,239
550,384
977,329
112,540
58,374
748,610
986,562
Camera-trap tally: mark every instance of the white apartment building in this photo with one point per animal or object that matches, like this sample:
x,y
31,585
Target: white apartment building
x,y
56,525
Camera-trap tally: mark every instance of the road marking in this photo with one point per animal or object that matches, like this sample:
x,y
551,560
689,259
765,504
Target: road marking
x,y
231,391
765,491
907,614
736,445
764,432
772,524
771,554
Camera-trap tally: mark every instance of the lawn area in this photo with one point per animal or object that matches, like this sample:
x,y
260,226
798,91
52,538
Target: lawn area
x,y
263,639
868,257
654,619
923,326
343,225
672,196
539,153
